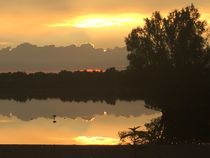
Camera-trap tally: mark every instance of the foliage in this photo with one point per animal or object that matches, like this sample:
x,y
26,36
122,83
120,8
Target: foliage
x,y
152,134
178,41
171,56
133,136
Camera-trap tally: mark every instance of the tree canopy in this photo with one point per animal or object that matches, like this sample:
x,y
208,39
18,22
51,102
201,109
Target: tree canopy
x,y
177,41
171,56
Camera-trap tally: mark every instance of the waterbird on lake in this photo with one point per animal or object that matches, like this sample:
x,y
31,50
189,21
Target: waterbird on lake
x,y
54,121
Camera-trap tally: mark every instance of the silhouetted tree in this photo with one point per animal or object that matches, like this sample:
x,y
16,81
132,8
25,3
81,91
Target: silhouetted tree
x,y
172,55
175,42
152,134
155,131
133,136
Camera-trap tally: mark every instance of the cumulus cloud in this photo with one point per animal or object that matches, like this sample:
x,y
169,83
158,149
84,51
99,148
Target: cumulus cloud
x,y
32,58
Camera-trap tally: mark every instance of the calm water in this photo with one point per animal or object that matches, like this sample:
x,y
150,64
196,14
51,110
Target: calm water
x,y
56,122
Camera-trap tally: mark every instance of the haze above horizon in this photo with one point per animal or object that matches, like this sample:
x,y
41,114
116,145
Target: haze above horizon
x,y
103,23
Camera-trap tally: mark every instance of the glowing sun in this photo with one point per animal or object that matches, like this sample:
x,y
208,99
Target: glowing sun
x,y
98,21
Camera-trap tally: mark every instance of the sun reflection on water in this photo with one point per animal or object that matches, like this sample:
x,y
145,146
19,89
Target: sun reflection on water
x,y
92,126
84,140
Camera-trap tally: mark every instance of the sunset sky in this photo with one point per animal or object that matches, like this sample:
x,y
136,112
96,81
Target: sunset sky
x,y
57,36
104,23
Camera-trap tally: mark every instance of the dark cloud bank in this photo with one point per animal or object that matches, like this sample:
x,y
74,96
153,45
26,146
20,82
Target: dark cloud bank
x,y
32,58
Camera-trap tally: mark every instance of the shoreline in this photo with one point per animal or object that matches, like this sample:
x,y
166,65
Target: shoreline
x,y
105,151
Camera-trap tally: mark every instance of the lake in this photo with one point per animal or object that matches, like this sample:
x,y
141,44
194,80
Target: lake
x,y
53,121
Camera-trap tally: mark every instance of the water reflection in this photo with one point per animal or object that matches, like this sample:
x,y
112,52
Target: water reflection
x,y
48,108
56,122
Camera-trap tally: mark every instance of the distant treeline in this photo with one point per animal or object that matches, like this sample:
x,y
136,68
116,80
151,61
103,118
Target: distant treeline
x,y
109,85
70,86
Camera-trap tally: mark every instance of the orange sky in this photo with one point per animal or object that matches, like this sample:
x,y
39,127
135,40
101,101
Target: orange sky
x,y
104,23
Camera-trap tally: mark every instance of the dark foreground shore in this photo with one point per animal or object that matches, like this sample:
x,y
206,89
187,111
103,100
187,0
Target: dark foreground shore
x,y
150,151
